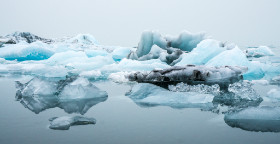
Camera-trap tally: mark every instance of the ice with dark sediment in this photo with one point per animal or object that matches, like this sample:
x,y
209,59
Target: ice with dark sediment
x,y
153,45
65,122
263,119
73,95
191,74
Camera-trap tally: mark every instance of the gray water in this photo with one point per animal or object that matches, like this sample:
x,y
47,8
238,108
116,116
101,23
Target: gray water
x,y
120,120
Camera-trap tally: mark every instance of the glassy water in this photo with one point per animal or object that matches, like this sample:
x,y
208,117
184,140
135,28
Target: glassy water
x,y
119,120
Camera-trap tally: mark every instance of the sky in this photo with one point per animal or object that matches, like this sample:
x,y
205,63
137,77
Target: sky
x,y
121,22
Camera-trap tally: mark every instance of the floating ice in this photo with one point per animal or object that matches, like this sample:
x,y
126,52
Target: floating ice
x,y
148,39
200,88
264,119
17,37
23,51
148,95
205,50
259,52
73,95
186,41
274,95
192,75
239,94
94,53
152,46
235,57
120,52
83,39
135,65
64,123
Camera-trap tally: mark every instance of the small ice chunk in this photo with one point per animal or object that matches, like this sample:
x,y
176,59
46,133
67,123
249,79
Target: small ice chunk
x,y
261,82
259,52
64,122
244,90
200,88
119,77
120,52
83,39
274,95
264,119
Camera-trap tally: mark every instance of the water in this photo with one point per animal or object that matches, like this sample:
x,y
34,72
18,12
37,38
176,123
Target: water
x,y
120,120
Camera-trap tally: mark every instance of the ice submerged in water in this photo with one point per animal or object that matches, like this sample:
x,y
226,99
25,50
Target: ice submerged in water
x,y
264,119
74,95
238,95
191,74
148,95
64,122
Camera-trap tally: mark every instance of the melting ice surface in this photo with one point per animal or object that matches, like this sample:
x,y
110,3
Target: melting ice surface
x,y
65,69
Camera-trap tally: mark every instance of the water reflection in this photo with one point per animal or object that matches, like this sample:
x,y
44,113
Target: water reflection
x,y
73,94
240,111
263,119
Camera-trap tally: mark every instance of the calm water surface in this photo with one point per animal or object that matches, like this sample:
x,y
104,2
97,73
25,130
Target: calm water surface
x,y
120,120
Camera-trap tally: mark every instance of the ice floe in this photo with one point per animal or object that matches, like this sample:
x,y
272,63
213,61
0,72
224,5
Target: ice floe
x,y
65,122
148,95
73,95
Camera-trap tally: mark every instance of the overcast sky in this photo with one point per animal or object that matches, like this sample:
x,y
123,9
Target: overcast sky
x,y
121,22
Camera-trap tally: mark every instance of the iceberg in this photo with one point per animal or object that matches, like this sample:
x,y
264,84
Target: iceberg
x,y
149,95
235,57
120,53
23,51
83,39
205,51
263,119
65,122
73,95
186,41
191,74
259,52
153,45
28,37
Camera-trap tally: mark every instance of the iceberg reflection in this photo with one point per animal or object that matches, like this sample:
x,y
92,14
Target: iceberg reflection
x,y
263,119
73,95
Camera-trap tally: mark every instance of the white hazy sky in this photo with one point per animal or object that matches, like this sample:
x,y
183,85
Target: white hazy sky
x,y
121,22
